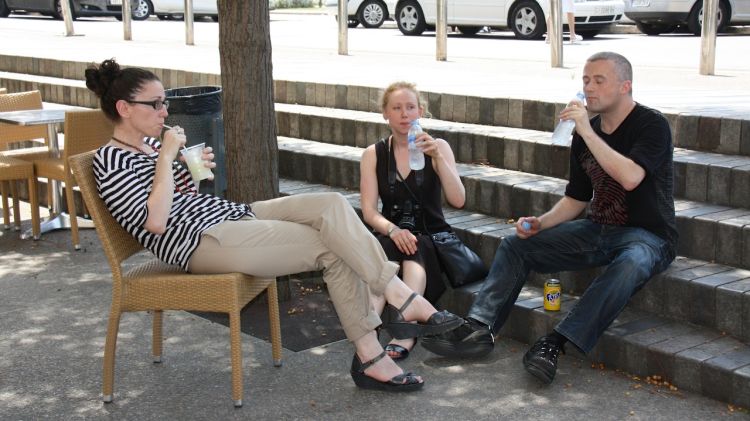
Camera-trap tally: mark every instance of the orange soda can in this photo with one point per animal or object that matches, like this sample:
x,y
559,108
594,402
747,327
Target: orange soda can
x,y
552,295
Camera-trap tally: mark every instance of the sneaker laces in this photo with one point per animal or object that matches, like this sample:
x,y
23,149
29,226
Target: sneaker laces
x,y
547,350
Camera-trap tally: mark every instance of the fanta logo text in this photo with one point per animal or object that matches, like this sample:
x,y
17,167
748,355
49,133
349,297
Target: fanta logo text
x,y
553,296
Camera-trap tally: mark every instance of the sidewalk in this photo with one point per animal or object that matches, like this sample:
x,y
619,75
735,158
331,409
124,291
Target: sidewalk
x,y
53,311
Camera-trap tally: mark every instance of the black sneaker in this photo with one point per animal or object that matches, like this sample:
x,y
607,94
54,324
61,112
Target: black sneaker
x,y
471,339
541,359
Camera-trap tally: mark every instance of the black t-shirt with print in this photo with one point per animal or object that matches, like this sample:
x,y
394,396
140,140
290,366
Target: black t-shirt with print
x,y
644,136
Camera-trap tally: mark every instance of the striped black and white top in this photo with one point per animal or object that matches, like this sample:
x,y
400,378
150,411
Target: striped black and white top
x,y
124,180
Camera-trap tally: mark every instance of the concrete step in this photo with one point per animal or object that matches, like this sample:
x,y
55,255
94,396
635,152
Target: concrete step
x,y
649,337
708,294
708,232
701,176
704,130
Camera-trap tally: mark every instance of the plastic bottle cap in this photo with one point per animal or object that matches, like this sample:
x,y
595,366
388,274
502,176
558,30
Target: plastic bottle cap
x,y
526,226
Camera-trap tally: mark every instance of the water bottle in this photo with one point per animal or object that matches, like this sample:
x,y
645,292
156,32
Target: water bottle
x,y
564,129
416,156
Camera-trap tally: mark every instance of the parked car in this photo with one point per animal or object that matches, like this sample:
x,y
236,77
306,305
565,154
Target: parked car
x,y
654,17
140,9
175,9
526,18
370,13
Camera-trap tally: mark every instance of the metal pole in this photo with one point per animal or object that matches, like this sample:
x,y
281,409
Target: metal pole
x,y
343,29
126,21
189,40
554,34
67,17
708,36
441,31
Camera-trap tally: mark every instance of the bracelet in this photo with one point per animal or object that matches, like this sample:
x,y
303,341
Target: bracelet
x,y
390,230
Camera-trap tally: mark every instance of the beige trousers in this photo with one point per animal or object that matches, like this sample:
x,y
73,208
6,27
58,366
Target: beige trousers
x,y
302,233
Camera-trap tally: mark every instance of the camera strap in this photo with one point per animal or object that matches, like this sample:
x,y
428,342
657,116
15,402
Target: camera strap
x,y
394,175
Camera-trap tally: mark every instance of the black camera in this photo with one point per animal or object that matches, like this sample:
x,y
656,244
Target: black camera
x,y
406,215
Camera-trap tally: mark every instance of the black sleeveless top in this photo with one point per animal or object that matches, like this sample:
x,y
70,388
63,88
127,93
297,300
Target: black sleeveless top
x,y
431,219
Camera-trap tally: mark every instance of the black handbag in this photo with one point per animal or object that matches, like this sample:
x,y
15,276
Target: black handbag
x,y
460,264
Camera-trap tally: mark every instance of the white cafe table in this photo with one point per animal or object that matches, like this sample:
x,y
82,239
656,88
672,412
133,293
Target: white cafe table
x,y
51,118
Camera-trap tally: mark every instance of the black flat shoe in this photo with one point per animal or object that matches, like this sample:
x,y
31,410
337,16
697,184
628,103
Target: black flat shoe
x,y
399,328
470,340
401,351
404,382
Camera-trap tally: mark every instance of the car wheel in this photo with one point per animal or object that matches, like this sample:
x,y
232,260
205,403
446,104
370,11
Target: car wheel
x,y
527,20
372,14
695,20
142,9
469,30
4,11
655,28
410,18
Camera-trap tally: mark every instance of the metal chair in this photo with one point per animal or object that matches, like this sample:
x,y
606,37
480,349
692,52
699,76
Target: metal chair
x,y
10,134
85,130
157,287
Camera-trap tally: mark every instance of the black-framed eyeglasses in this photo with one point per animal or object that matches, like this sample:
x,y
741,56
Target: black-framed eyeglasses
x,y
156,104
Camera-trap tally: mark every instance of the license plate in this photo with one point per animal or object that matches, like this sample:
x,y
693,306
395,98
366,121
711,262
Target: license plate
x,y
640,3
115,2
604,10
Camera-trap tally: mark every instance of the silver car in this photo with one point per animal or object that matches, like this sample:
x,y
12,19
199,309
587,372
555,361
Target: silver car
x,y
654,17
526,18
141,9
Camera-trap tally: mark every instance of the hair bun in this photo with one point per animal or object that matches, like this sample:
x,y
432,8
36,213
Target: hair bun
x,y
99,78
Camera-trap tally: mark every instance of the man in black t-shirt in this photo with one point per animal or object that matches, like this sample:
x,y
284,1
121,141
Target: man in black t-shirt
x,y
621,165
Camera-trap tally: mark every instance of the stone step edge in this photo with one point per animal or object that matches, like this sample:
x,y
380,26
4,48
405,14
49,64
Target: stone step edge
x,y
707,131
703,176
508,193
719,294
643,344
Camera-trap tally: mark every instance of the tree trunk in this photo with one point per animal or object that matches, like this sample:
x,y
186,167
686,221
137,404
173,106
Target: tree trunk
x,y
248,102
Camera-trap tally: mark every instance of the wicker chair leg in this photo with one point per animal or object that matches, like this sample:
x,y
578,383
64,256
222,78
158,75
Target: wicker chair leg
x,y
275,323
72,209
16,206
6,209
236,351
156,337
110,346
34,199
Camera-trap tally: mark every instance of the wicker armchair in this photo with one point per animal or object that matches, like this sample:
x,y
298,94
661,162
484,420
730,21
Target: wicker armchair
x,y
85,130
156,286
10,134
12,169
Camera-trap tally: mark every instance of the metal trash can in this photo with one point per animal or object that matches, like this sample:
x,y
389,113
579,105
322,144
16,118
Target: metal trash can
x,y
197,109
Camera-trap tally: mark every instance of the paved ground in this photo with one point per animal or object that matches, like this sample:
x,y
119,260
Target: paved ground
x,y
53,310
54,300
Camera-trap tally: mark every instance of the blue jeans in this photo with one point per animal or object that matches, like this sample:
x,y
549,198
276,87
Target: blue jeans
x,y
633,256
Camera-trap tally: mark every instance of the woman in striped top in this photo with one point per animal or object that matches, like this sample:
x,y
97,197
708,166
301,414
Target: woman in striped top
x,y
155,200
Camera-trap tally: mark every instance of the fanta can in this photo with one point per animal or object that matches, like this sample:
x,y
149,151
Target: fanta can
x,y
552,295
